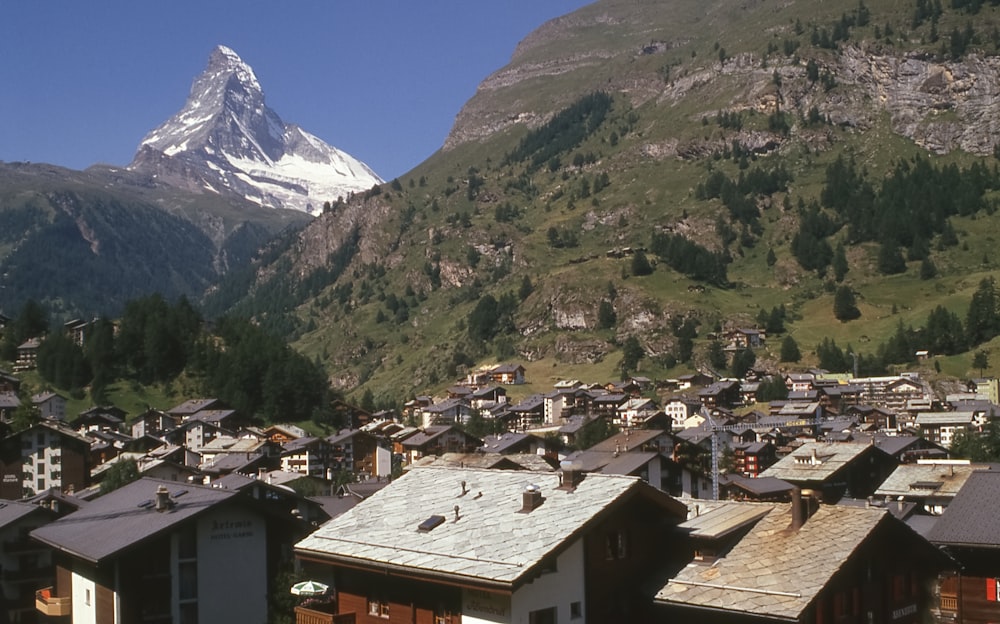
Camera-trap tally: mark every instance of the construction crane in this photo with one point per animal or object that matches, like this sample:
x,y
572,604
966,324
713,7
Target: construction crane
x,y
715,429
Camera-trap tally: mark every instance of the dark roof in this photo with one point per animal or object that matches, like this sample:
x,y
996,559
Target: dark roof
x,y
298,444
761,486
973,517
126,517
500,443
12,511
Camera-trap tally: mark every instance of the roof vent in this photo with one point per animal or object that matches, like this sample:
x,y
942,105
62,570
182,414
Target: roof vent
x,y
531,498
430,524
163,502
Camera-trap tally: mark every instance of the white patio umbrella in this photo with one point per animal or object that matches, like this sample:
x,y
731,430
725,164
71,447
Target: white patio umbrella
x,y
310,588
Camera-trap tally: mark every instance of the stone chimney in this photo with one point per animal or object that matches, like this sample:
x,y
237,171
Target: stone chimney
x,y
163,502
570,476
531,498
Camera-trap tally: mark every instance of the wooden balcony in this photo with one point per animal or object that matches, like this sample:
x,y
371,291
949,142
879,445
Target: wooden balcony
x,y
52,606
305,615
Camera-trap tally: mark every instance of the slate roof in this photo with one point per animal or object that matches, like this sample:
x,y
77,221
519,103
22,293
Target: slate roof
x,y
632,439
773,571
761,486
973,517
500,443
126,517
719,521
927,480
829,458
944,418
491,542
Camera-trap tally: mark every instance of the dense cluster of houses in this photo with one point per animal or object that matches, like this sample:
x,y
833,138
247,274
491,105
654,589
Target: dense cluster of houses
x,y
630,501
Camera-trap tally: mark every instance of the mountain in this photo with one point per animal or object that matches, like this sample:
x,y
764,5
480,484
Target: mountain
x,y
83,243
227,140
653,174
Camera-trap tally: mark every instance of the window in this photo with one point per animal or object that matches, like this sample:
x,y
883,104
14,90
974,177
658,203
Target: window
x,y
41,485
542,616
617,545
575,610
86,597
378,608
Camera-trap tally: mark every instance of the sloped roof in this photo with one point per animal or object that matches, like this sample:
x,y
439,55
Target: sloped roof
x,y
126,517
492,541
721,520
816,461
973,517
922,480
12,511
774,571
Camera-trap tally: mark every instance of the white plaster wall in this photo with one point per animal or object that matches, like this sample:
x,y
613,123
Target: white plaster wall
x,y
232,567
557,589
82,612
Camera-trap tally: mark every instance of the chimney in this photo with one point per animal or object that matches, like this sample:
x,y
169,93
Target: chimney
x,y
162,498
797,515
531,498
571,475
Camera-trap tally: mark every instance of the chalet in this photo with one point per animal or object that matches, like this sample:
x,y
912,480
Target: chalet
x,y
744,338
46,455
160,551
447,412
929,484
9,402
438,440
969,531
309,456
725,393
528,413
25,565
181,413
483,547
835,469
9,383
507,374
639,413
100,418
941,427
356,451
558,404
760,489
152,422
226,419
76,330
50,405
487,396
906,449
680,409
837,564
27,355
194,434
752,458
511,442
798,382
882,418
627,387
693,380
608,404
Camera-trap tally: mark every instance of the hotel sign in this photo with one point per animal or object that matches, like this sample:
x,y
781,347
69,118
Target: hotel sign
x,y
485,605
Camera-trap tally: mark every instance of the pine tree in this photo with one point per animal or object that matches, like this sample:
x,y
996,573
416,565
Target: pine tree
x,y
844,304
790,350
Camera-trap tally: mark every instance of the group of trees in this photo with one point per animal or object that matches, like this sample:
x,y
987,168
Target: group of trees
x,y
156,341
564,132
689,258
911,208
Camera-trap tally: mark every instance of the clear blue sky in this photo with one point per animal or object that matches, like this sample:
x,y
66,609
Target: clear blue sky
x,y
82,82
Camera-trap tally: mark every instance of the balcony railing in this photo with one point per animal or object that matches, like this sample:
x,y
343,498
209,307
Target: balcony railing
x,y
305,615
949,603
53,606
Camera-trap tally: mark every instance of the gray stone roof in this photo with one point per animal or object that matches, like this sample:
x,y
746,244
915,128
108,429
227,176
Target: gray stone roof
x,y
491,541
773,571
816,461
126,517
927,480
973,517
721,520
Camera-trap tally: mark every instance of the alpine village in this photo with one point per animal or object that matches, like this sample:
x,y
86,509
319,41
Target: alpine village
x,y
693,317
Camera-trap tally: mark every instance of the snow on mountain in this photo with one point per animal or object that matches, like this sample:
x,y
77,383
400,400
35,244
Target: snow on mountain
x,y
226,139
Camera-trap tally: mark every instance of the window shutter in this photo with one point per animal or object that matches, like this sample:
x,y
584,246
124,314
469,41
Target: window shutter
x,y
992,590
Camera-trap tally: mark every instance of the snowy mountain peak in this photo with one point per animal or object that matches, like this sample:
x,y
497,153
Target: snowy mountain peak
x,y
225,139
